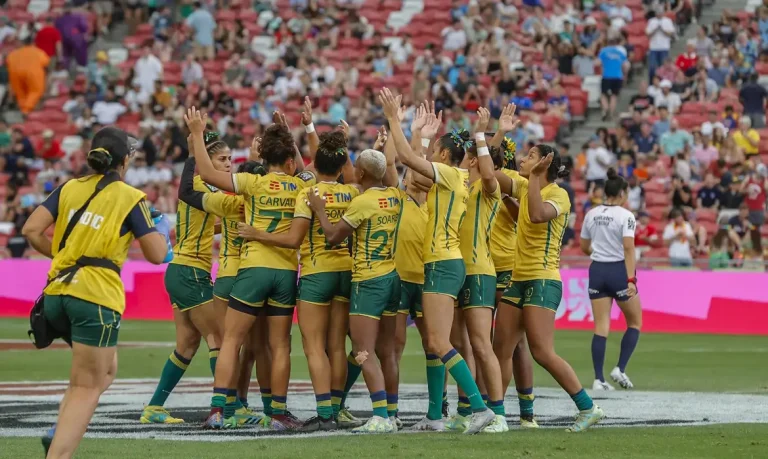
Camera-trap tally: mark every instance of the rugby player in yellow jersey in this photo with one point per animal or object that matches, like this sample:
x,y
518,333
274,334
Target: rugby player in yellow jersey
x,y
188,282
228,207
372,218
85,298
513,359
533,296
267,274
444,270
325,282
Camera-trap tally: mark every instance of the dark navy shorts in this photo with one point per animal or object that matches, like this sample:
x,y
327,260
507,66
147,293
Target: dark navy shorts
x,y
608,280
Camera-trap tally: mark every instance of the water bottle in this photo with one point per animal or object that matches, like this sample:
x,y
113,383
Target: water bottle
x,y
162,225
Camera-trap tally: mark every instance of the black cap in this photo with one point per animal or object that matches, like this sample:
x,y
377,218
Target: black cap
x,y
116,141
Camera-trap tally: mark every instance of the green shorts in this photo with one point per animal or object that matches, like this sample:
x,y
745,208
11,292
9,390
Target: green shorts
x,y
444,277
322,288
188,287
81,321
478,291
255,287
503,278
410,299
223,287
542,293
375,297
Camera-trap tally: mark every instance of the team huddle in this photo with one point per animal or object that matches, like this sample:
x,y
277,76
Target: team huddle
x,y
467,244
466,241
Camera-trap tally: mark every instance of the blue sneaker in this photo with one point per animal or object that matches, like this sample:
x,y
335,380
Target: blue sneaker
x,y
47,439
586,419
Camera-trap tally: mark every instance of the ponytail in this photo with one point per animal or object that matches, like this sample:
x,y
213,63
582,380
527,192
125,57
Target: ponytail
x,y
100,160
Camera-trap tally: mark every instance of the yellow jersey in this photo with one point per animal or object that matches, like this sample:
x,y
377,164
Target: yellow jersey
x,y
116,216
270,201
229,208
446,205
475,231
317,256
410,242
538,244
194,233
375,216
504,235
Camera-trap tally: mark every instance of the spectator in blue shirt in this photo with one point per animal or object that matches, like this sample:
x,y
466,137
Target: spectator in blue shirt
x,y
661,126
522,101
614,60
203,24
646,142
161,23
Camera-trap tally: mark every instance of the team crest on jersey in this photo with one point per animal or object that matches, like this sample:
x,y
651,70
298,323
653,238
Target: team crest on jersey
x,y
305,176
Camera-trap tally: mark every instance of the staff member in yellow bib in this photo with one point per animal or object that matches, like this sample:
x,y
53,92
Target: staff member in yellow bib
x,y
533,296
372,219
188,282
325,282
444,266
267,274
85,297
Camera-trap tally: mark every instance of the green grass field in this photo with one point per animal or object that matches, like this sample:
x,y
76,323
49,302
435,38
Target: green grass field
x,y
661,363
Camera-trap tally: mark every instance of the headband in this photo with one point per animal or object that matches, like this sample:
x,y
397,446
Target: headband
x,y
510,148
210,137
458,140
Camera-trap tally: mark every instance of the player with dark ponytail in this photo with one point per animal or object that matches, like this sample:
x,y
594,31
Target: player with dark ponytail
x,y
608,237
534,294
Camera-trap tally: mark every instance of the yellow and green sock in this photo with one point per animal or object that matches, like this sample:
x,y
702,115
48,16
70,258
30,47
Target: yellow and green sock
x,y
324,406
266,400
392,405
485,399
173,370
458,368
279,404
336,397
213,355
525,399
497,406
233,403
435,385
379,402
582,400
219,399
463,408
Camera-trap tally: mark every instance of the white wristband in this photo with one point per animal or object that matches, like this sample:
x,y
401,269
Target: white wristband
x,y
480,136
483,151
425,143
310,128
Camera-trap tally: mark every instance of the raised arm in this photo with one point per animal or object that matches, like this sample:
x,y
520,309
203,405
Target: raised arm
x,y
507,123
313,140
196,123
385,142
391,106
278,117
484,161
538,210
187,191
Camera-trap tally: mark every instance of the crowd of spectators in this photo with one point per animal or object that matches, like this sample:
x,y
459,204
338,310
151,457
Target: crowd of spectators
x,y
242,60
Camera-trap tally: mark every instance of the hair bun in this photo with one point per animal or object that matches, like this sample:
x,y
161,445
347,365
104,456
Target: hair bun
x,y
612,174
99,160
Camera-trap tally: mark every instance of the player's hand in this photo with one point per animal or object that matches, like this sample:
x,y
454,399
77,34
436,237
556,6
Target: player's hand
x,y
631,289
195,120
390,103
483,119
306,113
381,139
344,127
316,200
434,123
255,153
540,168
420,118
247,231
507,120
278,117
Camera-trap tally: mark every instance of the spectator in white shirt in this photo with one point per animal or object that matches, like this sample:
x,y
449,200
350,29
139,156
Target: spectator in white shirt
x,y
660,32
454,37
712,123
534,128
599,159
667,98
140,174
678,235
620,15
108,110
147,69
191,70
135,99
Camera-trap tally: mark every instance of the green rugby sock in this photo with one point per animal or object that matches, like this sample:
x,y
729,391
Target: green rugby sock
x,y
244,401
486,400
266,400
353,372
379,402
497,406
324,406
219,399
233,403
336,397
173,370
582,400
279,404
213,355
458,368
392,405
435,384
525,399
463,408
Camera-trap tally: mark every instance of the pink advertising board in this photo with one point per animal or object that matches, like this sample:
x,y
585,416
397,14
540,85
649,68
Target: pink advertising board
x,y
673,301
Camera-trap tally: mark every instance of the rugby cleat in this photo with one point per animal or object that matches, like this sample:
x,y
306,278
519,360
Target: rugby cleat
x,y
499,425
601,385
586,419
346,420
621,379
47,439
397,422
429,425
528,423
480,421
457,423
317,423
247,417
214,421
154,414
375,424
285,422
